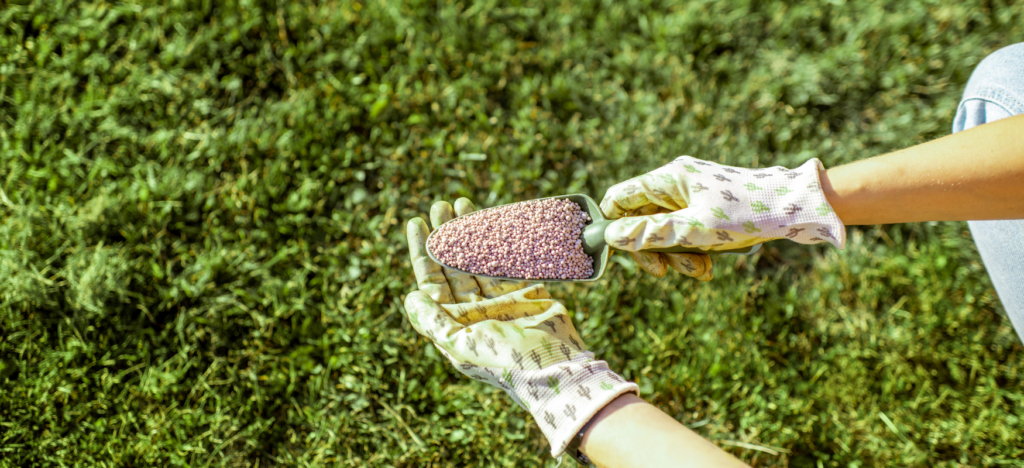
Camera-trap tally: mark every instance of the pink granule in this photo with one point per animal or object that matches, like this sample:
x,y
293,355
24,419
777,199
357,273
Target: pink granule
x,y
537,239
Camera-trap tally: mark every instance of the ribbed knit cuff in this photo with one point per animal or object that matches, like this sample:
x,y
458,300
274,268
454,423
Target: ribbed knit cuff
x,y
797,207
563,397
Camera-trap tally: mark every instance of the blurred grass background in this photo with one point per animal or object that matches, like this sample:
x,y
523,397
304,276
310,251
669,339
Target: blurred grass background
x,y
202,256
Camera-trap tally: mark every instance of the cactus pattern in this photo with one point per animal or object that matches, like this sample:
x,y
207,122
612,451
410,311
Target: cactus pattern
x,y
566,369
691,169
550,418
792,209
570,411
546,345
728,196
535,357
589,366
575,343
471,344
793,232
658,193
606,386
550,324
752,187
490,344
688,265
507,375
518,358
553,384
750,227
824,209
565,350
782,191
533,391
625,242
720,213
759,207
584,391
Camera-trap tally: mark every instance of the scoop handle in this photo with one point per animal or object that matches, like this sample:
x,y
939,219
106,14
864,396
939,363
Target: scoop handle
x,y
593,237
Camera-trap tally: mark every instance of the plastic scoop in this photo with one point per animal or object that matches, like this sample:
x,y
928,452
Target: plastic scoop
x,y
594,244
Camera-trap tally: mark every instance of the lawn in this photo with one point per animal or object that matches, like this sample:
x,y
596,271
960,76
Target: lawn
x,y
202,256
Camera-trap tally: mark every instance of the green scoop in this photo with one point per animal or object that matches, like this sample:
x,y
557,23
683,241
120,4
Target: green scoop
x,y
594,243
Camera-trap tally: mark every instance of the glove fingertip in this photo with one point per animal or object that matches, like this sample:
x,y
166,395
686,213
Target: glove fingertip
x,y
608,209
709,272
464,206
440,213
652,263
417,298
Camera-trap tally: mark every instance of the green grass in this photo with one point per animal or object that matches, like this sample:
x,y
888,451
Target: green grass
x,y
202,259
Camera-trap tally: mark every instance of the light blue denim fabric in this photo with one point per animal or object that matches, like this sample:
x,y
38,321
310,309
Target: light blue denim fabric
x,y
996,91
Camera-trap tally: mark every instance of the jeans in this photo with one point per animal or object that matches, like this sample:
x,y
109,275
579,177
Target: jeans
x,y
996,91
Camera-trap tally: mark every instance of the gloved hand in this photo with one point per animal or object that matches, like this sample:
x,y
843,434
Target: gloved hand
x,y
701,204
509,335
695,265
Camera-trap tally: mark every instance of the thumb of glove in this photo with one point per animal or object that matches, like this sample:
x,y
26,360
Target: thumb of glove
x,y
656,231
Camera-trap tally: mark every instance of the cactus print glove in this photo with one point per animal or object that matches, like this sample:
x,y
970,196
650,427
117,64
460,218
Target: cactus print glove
x,y
701,204
518,339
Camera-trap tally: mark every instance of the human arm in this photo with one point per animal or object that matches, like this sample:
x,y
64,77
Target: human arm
x,y
632,433
516,337
976,174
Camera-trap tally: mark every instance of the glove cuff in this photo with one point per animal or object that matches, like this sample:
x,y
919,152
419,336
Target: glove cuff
x,y
802,214
563,397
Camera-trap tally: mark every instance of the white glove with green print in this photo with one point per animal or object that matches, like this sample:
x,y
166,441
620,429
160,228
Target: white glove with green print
x,y
695,203
510,335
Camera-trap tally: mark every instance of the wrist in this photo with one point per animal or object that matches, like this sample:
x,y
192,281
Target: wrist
x,y
602,417
840,195
564,397
806,215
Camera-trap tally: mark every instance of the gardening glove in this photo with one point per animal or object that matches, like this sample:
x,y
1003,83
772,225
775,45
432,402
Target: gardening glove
x,y
716,207
521,341
656,263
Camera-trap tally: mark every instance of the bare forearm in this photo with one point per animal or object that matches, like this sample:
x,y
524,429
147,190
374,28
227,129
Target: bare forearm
x,y
976,174
630,432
